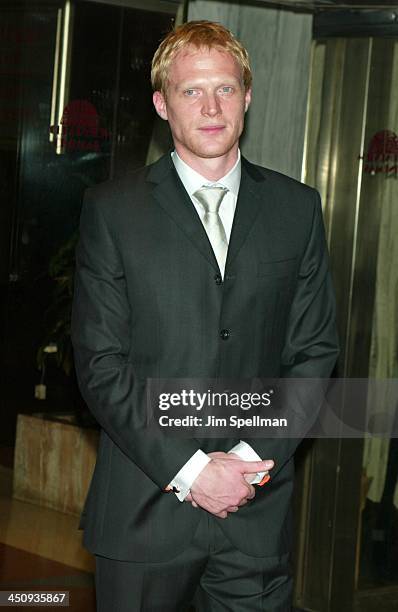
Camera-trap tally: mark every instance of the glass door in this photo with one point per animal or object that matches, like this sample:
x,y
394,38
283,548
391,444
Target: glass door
x,y
75,109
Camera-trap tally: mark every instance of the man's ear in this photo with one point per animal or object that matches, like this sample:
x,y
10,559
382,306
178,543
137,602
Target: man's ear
x,y
160,105
248,98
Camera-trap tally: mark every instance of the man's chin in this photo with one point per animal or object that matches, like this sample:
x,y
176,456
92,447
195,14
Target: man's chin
x,y
213,152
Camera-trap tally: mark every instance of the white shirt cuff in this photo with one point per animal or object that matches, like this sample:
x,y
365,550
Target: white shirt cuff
x,y
247,453
188,473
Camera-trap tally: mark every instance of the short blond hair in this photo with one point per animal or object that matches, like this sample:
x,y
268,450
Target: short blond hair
x,y
207,34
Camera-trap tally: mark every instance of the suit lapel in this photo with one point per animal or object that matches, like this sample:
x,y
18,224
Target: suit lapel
x,y
173,198
170,193
247,208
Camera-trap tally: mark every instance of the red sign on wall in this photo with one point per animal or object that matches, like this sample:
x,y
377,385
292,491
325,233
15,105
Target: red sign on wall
x,y
79,128
382,154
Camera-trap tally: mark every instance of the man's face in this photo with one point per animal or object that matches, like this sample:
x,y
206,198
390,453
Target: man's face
x,y
205,103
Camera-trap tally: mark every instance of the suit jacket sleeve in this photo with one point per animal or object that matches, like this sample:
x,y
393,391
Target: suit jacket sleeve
x,y
101,339
311,344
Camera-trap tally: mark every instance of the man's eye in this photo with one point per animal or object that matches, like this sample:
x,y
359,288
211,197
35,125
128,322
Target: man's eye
x,y
190,92
227,89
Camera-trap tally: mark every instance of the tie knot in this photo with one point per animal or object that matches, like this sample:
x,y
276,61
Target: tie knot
x,y
210,198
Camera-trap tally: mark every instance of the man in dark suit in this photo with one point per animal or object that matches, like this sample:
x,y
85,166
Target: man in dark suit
x,y
200,265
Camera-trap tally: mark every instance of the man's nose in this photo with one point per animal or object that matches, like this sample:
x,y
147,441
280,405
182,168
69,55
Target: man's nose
x,y
211,105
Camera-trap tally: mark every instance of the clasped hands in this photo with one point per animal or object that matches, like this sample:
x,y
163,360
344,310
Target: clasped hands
x,y
224,484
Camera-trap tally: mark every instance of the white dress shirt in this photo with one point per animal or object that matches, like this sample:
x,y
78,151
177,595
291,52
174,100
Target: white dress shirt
x,y
193,181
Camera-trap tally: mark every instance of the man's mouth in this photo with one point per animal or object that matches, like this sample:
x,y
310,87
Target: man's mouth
x,y
212,129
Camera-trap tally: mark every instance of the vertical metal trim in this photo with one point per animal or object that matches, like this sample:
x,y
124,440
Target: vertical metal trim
x,y
55,75
357,205
64,68
333,530
339,60
304,170
303,535
349,310
331,187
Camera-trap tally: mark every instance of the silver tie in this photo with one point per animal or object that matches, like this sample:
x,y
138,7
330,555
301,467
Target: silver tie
x,y
210,198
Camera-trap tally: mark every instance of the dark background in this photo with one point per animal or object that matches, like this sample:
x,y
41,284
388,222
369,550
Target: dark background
x,y
41,191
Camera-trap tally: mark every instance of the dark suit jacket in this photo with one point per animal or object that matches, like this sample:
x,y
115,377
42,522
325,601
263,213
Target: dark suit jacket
x,y
148,305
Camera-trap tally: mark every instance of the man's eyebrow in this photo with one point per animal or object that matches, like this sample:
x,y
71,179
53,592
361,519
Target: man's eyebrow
x,y
193,84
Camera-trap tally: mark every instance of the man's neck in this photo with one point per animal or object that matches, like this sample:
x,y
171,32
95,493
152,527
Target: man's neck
x,y
211,168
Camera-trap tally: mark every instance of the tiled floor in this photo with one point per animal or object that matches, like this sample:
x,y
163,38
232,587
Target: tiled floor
x,y
41,549
20,570
39,530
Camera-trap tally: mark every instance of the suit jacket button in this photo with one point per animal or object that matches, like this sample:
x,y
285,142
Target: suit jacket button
x,y
218,279
224,334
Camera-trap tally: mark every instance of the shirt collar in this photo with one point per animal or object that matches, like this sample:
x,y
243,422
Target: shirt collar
x,y
193,181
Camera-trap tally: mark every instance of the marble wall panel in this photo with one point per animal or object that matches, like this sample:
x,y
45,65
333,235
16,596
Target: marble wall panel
x,y
279,44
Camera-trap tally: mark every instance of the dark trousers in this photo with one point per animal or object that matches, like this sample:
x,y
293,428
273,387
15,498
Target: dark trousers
x,y
210,573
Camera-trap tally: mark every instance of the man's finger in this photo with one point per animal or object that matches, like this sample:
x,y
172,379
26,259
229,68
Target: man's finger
x,y
249,467
252,492
222,514
189,498
249,497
